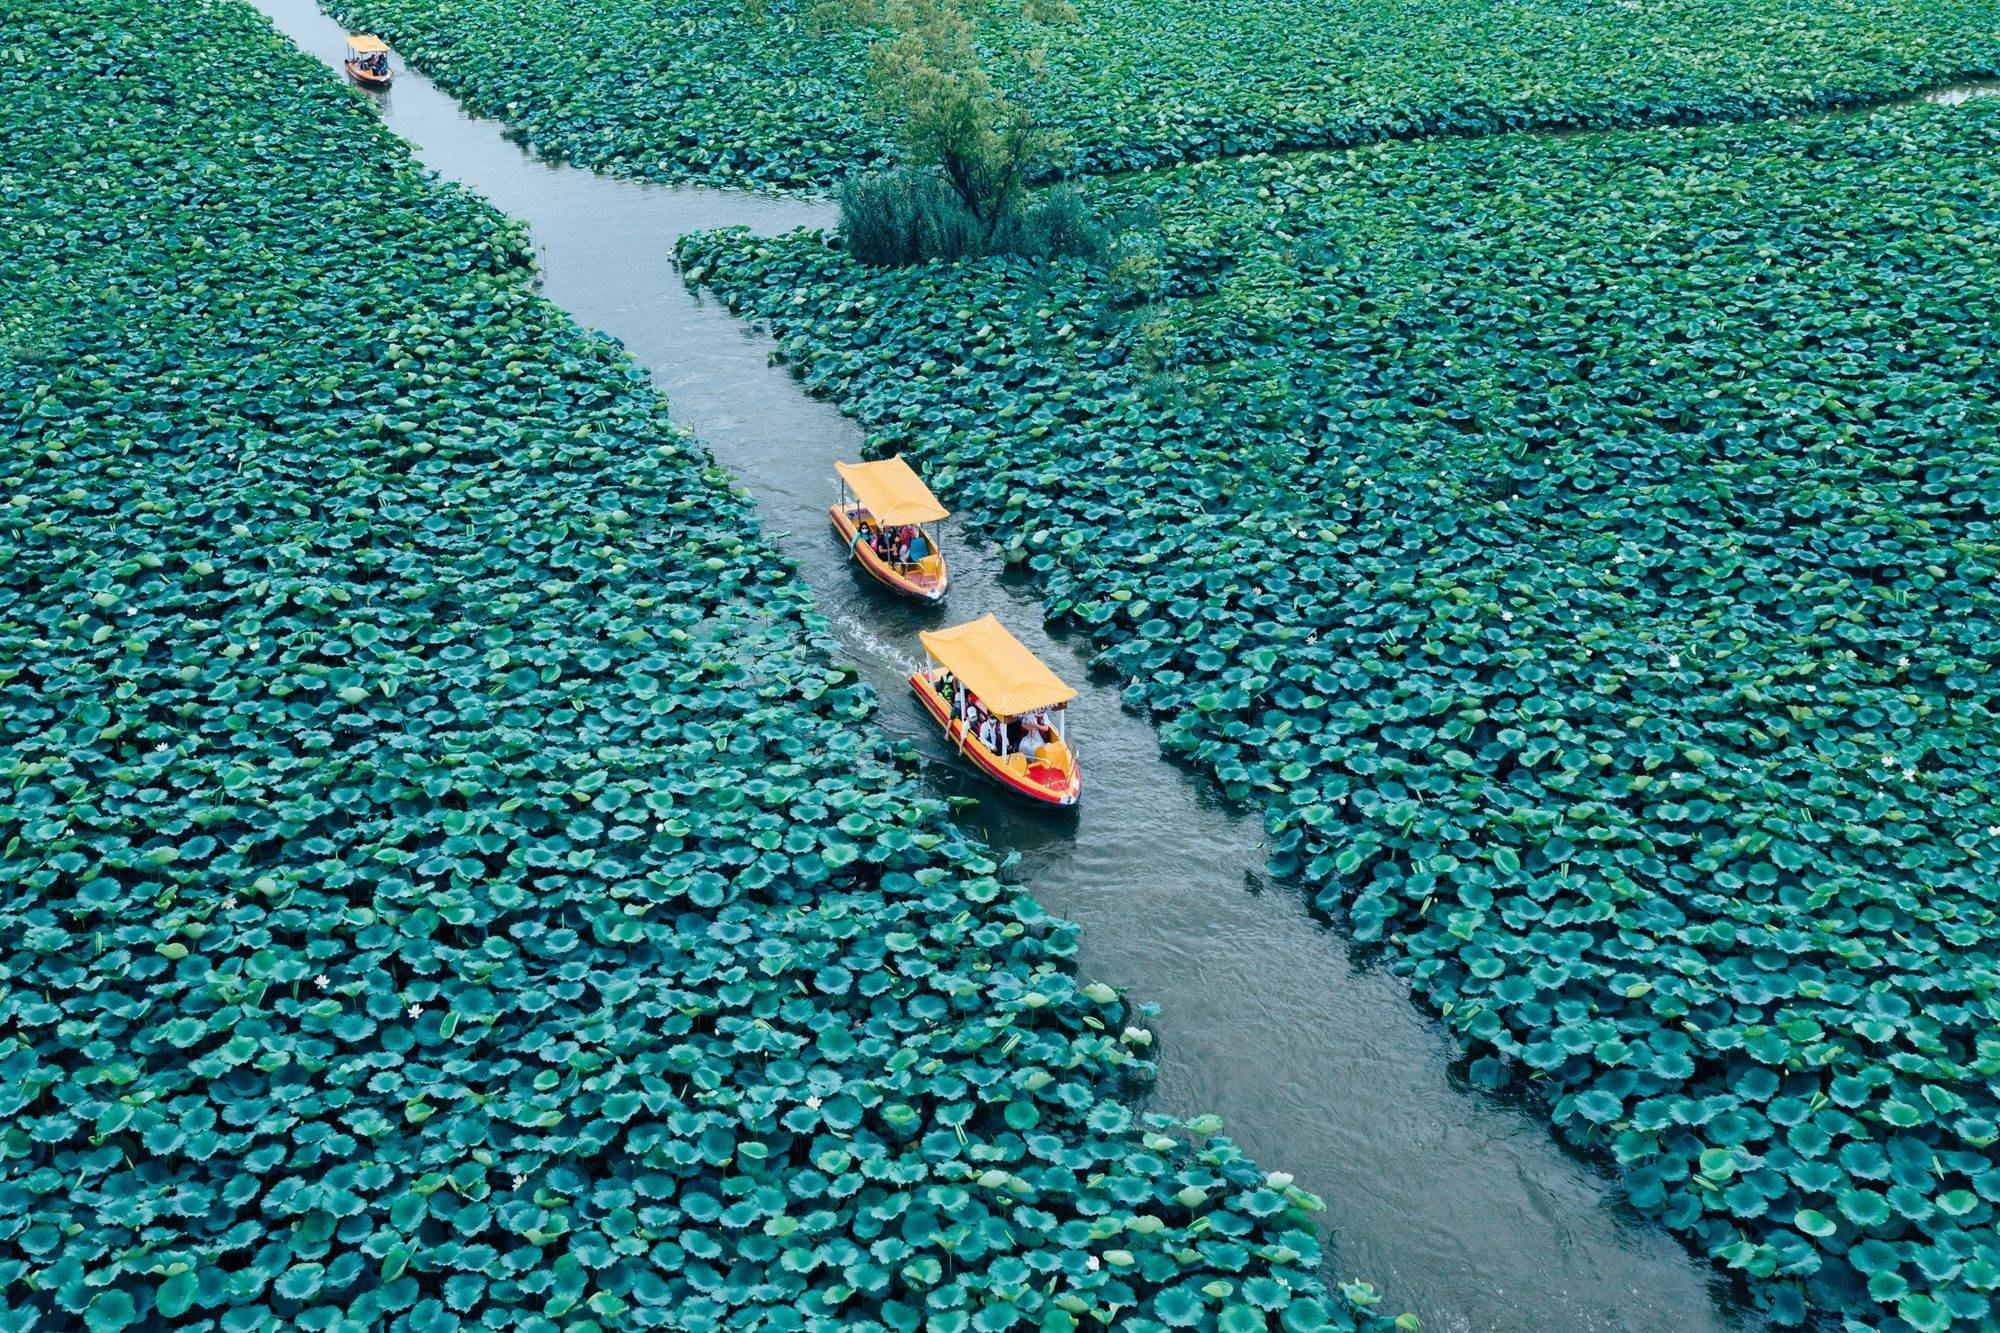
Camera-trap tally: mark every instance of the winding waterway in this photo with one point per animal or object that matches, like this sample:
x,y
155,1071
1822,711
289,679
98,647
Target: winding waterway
x,y
1457,1207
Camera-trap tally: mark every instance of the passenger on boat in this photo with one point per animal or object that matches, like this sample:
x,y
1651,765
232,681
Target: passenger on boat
x,y
1033,737
989,733
918,547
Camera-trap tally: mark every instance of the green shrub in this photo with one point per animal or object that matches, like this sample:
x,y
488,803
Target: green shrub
x,y
1057,221
910,216
905,217
968,153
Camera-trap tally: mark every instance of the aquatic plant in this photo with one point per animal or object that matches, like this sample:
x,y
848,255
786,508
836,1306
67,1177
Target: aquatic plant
x,y
1585,550
774,93
444,876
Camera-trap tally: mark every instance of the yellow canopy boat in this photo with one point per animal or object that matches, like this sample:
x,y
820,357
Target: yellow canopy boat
x,y
367,61
1001,708
883,527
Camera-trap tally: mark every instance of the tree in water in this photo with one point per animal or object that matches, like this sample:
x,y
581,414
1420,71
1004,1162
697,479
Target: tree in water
x,y
969,153
950,116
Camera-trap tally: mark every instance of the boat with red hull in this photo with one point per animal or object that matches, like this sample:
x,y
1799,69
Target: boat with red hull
x,y
880,516
987,689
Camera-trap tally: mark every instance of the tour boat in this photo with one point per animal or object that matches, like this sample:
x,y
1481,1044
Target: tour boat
x,y
361,61
980,665
888,496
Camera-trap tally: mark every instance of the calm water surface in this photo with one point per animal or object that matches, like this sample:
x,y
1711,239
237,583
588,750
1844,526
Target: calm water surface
x,y
1457,1207
1963,92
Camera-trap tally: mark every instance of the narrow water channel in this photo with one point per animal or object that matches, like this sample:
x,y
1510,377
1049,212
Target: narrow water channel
x,y
1458,1208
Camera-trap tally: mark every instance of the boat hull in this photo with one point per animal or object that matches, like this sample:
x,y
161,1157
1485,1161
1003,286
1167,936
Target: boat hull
x,y
1041,783
364,78
928,591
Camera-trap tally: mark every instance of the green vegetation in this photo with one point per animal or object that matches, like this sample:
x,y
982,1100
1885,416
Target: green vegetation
x,y
774,92
928,81
447,878
968,155
1586,551
908,216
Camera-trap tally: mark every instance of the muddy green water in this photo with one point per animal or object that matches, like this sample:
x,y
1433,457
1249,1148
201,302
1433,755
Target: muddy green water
x,y
1459,1208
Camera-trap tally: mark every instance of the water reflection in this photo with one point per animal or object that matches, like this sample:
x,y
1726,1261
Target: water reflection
x,y
1963,92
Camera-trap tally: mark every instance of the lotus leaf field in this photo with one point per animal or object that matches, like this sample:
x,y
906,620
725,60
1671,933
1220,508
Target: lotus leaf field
x,y
446,878
771,92
1585,550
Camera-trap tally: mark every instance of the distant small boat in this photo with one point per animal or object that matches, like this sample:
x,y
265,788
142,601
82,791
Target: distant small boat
x,y
367,61
999,681
888,497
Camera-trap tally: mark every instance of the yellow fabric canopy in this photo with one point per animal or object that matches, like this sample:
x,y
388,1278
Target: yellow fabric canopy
x,y
892,492
367,45
997,667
